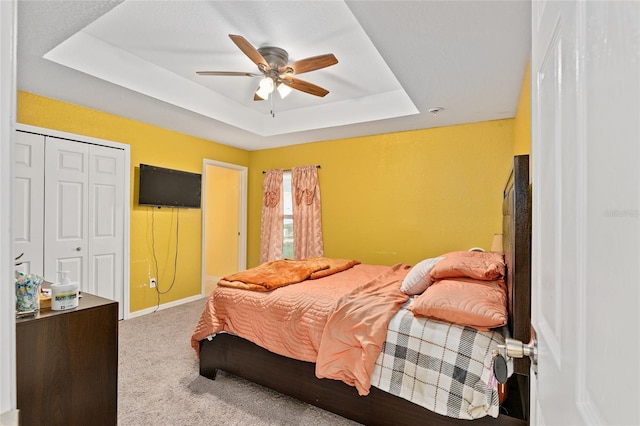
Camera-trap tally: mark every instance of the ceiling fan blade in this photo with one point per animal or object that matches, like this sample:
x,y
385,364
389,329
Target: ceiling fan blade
x,y
305,86
310,64
250,51
229,73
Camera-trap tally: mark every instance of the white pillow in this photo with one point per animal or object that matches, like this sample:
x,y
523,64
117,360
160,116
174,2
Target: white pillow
x,y
417,280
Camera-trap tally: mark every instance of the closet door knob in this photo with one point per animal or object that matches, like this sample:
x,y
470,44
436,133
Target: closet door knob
x,y
78,248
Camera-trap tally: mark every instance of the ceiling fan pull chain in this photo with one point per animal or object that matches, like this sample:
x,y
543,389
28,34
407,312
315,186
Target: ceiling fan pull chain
x,y
273,114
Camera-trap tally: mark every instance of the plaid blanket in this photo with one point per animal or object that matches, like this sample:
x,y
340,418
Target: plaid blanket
x,y
440,366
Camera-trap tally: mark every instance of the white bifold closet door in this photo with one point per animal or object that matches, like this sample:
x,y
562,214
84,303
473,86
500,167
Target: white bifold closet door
x,y
84,211
28,202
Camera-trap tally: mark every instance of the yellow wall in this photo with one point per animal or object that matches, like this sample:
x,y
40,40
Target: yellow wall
x,y
150,145
400,197
522,121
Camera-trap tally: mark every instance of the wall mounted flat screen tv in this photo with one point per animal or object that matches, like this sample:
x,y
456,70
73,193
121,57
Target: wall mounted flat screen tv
x,y
168,187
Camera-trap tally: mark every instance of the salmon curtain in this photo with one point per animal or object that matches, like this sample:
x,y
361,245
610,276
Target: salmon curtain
x,y
307,223
271,224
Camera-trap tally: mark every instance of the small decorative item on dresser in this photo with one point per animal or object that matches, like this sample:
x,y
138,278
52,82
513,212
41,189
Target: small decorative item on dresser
x,y
45,295
27,293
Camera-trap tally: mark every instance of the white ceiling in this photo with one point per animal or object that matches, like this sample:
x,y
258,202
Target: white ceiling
x,y
396,61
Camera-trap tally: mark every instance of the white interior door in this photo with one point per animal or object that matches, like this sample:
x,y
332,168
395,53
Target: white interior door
x,y
106,211
66,206
586,212
84,216
28,202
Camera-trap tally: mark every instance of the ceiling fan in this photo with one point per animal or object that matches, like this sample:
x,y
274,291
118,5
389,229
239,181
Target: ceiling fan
x,y
276,71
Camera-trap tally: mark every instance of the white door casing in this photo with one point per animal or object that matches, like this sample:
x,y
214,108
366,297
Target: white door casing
x,y
28,202
586,215
8,30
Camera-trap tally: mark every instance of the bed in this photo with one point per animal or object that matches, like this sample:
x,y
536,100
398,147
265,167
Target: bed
x,y
298,377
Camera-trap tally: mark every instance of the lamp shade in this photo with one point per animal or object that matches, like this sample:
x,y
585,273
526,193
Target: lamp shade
x,y
283,90
496,244
265,88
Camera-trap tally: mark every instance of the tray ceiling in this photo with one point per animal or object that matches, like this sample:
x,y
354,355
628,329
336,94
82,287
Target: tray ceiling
x,y
396,61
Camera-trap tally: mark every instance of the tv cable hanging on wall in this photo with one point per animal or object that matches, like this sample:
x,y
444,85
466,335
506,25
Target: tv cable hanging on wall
x,y
155,260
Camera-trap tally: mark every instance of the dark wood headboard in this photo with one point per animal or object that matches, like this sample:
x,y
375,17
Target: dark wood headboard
x,y
516,240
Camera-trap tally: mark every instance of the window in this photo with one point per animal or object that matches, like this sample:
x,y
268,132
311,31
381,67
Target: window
x,y
287,242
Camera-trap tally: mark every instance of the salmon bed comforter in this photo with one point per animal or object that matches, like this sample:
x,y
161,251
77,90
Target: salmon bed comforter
x,y
338,322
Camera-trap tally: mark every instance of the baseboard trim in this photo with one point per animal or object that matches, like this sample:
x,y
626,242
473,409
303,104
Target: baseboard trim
x,y
164,306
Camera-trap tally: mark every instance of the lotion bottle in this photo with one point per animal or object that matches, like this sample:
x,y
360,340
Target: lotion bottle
x,y
64,294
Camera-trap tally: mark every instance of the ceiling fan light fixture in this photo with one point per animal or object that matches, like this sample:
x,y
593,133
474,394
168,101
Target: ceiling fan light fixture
x,y
265,88
262,94
273,63
284,90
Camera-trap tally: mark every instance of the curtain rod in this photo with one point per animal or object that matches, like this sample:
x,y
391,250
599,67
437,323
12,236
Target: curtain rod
x,y
288,170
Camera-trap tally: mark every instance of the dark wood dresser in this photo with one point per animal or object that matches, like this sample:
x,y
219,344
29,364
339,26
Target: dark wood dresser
x,y
67,365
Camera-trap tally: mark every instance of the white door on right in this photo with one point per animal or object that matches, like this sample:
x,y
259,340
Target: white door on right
x,y
586,212
105,234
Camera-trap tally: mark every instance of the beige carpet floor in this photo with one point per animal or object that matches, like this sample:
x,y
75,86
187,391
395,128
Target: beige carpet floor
x,y
159,384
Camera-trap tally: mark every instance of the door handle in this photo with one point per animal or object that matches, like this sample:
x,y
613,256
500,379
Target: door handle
x,y
516,349
513,348
78,248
